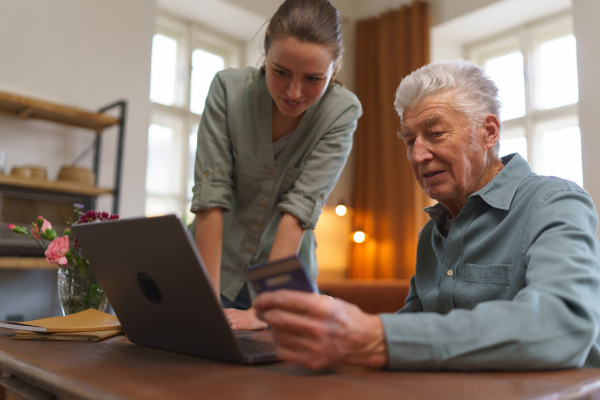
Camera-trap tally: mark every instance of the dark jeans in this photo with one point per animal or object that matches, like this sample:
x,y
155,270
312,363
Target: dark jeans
x,y
241,302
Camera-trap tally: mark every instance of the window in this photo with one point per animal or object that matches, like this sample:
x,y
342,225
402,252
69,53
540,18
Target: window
x,y
535,69
184,61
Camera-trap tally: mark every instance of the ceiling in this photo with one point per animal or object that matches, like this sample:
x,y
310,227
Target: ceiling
x,y
495,18
218,15
242,19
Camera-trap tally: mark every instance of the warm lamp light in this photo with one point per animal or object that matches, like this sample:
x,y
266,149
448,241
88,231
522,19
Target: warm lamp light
x,y
341,210
359,237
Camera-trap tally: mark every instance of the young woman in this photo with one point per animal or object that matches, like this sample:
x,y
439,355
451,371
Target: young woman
x,y
271,145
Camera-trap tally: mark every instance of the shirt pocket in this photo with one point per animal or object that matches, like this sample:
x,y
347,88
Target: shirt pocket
x,y
478,283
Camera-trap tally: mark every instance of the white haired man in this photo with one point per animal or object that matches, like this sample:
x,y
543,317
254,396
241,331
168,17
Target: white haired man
x,y
508,267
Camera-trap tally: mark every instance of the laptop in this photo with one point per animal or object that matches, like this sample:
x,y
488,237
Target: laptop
x,y
158,287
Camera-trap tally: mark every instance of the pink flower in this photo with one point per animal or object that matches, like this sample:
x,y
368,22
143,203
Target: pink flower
x,y
17,229
57,251
35,231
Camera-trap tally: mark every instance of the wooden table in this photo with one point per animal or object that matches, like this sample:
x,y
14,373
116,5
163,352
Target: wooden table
x,y
118,369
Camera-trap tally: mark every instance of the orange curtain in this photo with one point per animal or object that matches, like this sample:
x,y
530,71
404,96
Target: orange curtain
x,y
388,202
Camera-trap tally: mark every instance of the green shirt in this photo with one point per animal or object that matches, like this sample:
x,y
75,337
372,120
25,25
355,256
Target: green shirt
x,y
237,171
514,285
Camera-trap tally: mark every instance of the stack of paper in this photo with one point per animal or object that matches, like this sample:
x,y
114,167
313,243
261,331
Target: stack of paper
x,y
88,325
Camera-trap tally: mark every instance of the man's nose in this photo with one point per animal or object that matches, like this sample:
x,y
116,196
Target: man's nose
x,y
420,151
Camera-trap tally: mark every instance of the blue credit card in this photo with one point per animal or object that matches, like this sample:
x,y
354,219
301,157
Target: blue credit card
x,y
286,273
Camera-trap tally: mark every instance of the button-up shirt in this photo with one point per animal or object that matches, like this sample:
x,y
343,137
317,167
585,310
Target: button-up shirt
x,y
236,168
515,284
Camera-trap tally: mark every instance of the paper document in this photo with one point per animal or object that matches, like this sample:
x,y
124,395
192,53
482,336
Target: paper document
x,y
84,321
87,336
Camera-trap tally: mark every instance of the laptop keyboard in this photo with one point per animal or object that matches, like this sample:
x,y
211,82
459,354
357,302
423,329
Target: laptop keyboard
x,y
253,346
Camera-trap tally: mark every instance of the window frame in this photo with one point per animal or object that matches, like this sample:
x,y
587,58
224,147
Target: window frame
x,y
189,36
529,37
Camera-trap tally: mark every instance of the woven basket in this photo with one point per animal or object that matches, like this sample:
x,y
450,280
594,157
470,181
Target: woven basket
x,y
81,175
29,172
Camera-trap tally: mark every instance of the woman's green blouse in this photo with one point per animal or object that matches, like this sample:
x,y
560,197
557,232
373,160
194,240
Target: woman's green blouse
x,y
236,170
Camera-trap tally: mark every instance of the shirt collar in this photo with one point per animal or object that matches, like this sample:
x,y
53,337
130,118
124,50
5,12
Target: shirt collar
x,y
500,191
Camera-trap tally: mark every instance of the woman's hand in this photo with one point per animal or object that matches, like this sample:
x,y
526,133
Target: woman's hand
x,y
244,319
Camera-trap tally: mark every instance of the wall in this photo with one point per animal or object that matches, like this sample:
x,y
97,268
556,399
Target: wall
x,y
460,22
587,32
85,54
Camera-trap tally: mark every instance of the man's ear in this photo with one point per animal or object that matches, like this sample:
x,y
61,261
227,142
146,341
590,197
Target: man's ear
x,y
492,127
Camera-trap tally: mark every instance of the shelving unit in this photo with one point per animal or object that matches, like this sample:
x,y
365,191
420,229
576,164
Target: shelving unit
x,y
27,108
57,186
25,263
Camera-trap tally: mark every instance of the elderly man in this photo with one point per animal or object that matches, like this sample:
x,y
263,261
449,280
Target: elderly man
x,y
508,267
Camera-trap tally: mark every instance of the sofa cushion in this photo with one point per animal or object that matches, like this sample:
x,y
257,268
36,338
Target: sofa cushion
x,y
372,296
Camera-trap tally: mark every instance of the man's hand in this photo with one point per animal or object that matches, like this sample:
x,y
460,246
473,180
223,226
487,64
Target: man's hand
x,y
316,331
244,319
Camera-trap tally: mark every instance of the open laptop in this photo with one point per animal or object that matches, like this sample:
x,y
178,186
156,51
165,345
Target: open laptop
x,y
158,286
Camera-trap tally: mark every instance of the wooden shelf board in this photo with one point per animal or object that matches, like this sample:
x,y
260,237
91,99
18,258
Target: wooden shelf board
x,y
56,186
27,108
25,263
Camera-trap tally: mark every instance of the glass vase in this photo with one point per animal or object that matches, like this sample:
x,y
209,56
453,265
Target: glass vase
x,y
78,290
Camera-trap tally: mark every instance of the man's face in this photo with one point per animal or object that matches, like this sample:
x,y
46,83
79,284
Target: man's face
x,y
448,155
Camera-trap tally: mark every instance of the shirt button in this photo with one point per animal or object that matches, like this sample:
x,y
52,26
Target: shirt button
x,y
262,201
250,249
206,174
437,234
271,175
256,227
449,272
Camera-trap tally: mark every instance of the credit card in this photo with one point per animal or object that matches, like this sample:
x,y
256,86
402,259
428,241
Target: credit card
x,y
285,273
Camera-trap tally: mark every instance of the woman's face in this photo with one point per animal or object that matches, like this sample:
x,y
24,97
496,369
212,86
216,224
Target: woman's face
x,y
297,74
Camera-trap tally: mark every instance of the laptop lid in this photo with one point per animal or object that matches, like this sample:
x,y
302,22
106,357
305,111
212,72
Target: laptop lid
x,y
158,286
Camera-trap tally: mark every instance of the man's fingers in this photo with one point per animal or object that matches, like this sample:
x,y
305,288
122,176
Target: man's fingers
x,y
294,301
301,341
291,323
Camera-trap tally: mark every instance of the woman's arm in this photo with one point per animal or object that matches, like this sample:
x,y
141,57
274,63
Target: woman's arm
x,y
287,242
209,239
287,238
